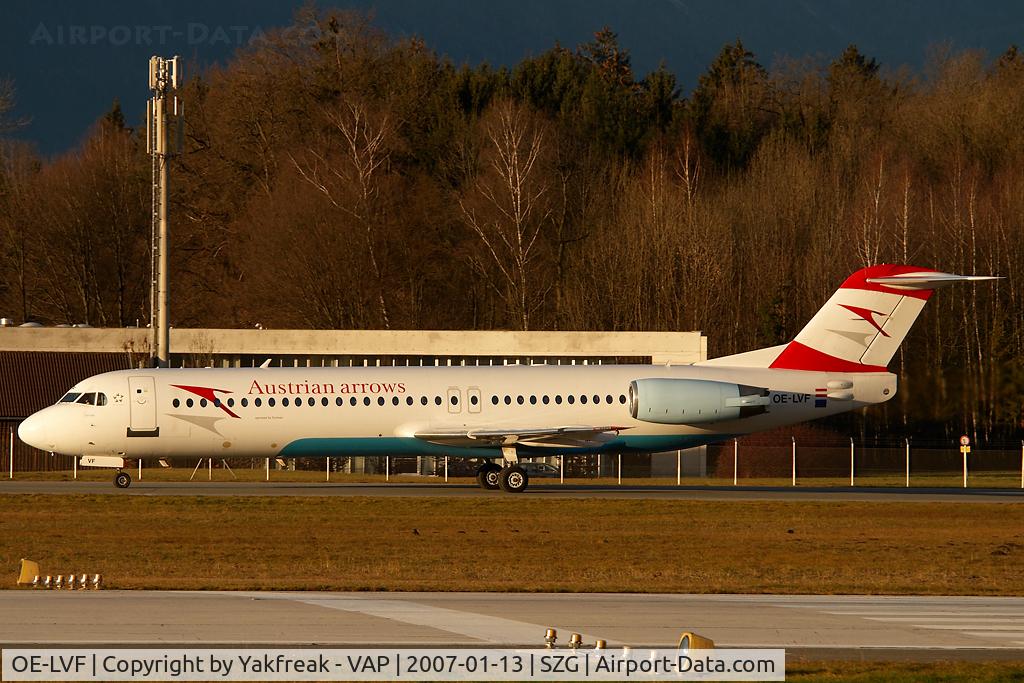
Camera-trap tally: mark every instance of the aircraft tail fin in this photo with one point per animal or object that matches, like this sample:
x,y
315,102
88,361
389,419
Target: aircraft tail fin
x,y
862,325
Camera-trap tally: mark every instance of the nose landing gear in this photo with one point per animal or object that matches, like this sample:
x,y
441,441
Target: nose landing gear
x,y
122,479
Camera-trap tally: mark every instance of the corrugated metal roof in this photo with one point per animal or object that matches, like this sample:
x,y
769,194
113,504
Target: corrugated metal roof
x,y
32,380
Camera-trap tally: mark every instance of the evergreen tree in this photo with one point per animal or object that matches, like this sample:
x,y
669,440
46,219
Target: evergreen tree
x,y
730,106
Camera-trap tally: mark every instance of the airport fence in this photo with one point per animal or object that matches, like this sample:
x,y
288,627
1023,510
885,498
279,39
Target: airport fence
x,y
798,459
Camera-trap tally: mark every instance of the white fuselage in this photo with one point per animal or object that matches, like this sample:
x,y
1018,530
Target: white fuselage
x,y
309,412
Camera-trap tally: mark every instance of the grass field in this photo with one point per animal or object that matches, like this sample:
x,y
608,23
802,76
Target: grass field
x,y
897,672
519,544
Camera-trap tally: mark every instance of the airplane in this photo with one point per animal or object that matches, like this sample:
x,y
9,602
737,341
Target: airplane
x,y
836,363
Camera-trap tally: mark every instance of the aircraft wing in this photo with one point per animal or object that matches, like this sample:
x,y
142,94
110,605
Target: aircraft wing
x,y
577,435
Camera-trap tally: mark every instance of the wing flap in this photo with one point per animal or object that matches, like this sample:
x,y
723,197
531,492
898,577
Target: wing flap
x,y
571,435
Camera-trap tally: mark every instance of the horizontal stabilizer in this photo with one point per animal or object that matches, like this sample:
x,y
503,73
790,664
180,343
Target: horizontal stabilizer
x,y
927,280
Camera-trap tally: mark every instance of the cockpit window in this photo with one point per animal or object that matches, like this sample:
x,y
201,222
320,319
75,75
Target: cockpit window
x,y
70,397
92,399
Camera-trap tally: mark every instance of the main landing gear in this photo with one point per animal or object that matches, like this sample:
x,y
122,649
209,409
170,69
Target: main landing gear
x,y
122,479
488,476
511,478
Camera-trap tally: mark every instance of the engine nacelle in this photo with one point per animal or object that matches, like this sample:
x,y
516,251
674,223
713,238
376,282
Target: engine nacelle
x,y
693,401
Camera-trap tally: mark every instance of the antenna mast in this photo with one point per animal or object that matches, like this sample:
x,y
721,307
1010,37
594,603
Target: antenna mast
x,y
164,79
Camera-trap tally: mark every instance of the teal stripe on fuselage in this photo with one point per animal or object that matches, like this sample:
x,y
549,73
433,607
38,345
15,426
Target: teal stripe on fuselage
x,y
335,447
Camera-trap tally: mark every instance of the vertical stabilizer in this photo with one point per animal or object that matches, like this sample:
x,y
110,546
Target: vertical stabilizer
x,y
866,320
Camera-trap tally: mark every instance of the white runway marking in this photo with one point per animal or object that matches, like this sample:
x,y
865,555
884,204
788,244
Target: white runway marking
x,y
965,625
478,626
1009,612
961,618
967,616
1001,634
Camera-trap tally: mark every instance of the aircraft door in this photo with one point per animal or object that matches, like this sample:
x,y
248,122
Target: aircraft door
x,y
142,404
454,400
473,396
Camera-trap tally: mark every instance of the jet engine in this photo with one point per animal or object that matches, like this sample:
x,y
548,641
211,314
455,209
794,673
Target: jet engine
x,y
693,401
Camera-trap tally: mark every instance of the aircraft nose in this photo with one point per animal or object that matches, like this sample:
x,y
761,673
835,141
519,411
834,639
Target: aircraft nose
x,y
33,431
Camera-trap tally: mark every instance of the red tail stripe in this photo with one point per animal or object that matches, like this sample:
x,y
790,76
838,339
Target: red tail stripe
x,y
797,356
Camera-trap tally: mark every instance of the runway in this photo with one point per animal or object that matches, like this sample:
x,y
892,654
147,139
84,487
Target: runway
x,y
870,627
543,490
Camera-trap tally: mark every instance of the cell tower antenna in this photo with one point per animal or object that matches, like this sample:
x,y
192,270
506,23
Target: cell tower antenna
x,y
165,78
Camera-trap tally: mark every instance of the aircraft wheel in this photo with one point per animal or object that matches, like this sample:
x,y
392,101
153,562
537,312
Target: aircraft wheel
x,y
488,475
513,479
122,480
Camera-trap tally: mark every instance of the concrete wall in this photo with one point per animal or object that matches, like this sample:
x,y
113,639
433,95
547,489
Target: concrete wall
x,y
659,347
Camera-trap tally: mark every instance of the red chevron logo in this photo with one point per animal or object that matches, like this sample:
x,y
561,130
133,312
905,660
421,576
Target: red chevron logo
x,y
868,315
209,394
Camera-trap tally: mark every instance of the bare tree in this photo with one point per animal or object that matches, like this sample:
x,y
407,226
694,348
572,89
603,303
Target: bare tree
x,y
353,177
507,205
7,92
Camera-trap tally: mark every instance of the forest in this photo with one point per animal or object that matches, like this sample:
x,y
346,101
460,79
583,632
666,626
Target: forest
x,y
331,176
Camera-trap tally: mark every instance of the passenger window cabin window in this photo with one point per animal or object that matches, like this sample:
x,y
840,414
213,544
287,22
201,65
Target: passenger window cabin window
x,y
437,400
519,400
339,401
324,401
408,400
473,399
455,400
423,400
245,403
597,399
352,401
284,402
188,402
258,402
558,399
394,401
622,398
216,403
231,403
508,400
571,399
176,403
380,400
545,400
494,400
202,403
533,400
583,399
270,402
298,402
366,400
608,399
310,401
